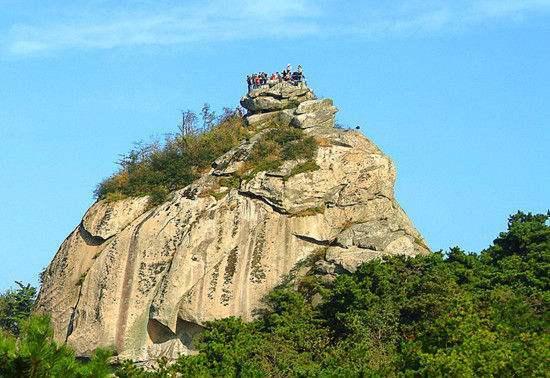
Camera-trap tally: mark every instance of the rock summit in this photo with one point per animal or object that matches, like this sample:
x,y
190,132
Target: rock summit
x,y
145,280
287,104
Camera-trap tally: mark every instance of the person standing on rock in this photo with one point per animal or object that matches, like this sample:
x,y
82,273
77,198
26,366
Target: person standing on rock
x,y
287,72
300,76
249,82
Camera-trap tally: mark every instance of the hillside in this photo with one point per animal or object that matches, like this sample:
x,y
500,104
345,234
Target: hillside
x,y
205,227
452,314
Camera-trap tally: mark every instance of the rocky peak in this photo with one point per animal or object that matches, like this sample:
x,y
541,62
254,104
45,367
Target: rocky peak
x,y
288,104
279,96
145,280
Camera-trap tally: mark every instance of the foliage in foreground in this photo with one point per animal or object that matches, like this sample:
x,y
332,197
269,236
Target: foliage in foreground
x,y
16,306
35,354
457,314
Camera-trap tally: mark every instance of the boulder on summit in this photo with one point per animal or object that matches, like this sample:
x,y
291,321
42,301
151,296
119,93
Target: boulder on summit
x,y
274,97
287,104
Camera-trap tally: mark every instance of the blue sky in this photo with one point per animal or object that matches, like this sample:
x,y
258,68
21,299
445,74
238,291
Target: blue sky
x,y
456,92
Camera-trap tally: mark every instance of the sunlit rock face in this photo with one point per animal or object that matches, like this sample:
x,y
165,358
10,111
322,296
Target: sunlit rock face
x,y
276,97
287,104
145,280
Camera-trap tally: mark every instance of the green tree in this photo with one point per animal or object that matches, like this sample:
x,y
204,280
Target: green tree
x,y
208,117
16,306
35,354
453,314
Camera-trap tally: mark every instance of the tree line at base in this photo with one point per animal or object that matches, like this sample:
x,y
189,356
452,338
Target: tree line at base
x,y
446,314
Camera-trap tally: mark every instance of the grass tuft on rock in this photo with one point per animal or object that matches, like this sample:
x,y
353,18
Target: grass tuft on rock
x,y
307,166
278,145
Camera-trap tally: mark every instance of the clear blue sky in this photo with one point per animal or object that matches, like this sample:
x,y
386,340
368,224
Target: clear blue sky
x,y
456,92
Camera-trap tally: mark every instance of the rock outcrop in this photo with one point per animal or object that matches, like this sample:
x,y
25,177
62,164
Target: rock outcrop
x,y
145,280
276,97
286,104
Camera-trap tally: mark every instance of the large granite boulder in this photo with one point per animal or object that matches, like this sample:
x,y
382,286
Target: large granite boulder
x,y
314,113
145,280
280,118
276,97
305,115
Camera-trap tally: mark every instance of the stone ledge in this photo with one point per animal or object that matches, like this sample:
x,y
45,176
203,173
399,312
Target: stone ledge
x,y
310,113
276,97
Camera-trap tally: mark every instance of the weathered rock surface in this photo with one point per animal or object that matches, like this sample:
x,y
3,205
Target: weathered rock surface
x,y
284,104
106,219
276,97
145,280
314,113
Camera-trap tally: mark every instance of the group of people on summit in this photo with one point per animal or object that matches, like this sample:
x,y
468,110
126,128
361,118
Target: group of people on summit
x,y
287,75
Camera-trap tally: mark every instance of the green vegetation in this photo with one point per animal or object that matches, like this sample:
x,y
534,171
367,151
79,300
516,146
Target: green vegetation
x,y
454,314
310,211
27,348
307,166
156,170
269,152
16,306
35,354
457,314
230,182
278,145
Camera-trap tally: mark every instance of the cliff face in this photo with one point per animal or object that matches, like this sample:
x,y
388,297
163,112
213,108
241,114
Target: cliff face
x,y
145,280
